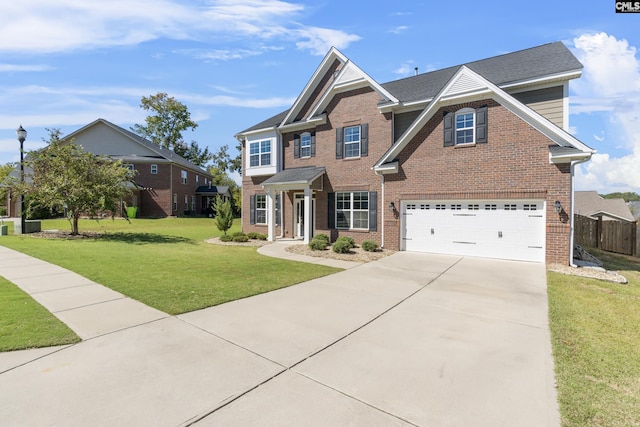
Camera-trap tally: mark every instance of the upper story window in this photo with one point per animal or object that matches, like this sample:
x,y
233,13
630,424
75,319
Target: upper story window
x,y
352,141
260,153
305,145
129,166
183,177
465,126
154,169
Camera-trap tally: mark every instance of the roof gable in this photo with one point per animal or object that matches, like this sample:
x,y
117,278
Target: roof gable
x,y
466,85
591,204
130,146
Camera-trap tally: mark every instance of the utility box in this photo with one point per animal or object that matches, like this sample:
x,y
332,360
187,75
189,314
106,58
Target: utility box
x,y
4,230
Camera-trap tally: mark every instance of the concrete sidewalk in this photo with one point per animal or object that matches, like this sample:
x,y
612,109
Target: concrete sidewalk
x,y
412,339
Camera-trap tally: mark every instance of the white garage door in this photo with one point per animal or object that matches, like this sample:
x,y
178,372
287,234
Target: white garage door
x,y
507,229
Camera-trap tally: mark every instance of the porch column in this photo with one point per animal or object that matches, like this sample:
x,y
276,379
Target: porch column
x,y
308,207
271,215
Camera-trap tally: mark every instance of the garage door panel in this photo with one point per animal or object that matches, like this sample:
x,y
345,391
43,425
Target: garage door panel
x,y
487,228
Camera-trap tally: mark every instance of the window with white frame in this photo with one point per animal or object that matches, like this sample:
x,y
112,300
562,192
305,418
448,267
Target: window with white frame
x,y
197,179
261,208
352,141
175,202
154,169
352,210
465,126
186,202
193,203
260,153
305,145
183,177
129,166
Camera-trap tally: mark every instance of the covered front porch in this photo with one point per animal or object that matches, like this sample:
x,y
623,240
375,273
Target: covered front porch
x,y
301,184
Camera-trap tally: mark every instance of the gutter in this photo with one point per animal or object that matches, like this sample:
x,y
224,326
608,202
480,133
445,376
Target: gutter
x,y
572,220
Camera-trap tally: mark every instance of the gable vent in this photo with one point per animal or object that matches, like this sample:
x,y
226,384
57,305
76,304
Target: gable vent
x,y
464,83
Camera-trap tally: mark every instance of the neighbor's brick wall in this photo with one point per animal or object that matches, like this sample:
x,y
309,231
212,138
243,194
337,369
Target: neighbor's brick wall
x,y
513,164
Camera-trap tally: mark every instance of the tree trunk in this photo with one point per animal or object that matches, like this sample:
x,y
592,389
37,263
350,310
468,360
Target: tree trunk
x,y
74,224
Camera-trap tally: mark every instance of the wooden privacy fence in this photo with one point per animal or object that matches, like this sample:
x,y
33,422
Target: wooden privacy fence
x,y
612,236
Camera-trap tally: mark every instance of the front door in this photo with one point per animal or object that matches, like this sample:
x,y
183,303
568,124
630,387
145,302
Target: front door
x,y
300,229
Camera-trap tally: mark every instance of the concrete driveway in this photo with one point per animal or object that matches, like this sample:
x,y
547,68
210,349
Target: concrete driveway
x,y
413,339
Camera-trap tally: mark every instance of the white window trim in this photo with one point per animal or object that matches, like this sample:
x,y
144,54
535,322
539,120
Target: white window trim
x,y
154,169
259,196
345,143
260,153
175,202
304,136
461,112
183,176
351,210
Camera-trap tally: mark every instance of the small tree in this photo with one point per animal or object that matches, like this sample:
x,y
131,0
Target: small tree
x,y
63,176
224,214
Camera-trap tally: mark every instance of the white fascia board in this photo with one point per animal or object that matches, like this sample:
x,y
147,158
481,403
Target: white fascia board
x,y
338,87
304,124
245,135
328,59
568,158
387,168
545,80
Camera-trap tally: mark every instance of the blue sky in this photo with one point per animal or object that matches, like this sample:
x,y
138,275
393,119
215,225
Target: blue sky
x,y
65,63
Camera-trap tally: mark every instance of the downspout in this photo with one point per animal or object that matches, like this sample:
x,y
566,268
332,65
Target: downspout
x,y
279,168
382,205
571,220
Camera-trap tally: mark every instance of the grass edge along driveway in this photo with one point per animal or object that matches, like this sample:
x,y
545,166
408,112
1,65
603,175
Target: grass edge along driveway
x,y
165,263
595,328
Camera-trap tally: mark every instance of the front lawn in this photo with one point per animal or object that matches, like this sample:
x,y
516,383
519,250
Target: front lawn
x,y
595,328
165,263
26,324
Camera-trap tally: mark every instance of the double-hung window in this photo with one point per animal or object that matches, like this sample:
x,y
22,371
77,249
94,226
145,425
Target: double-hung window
x,y
261,208
154,169
465,126
305,145
352,141
183,177
352,210
260,153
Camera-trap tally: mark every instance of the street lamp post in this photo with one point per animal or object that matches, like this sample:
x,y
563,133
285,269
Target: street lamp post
x,y
22,135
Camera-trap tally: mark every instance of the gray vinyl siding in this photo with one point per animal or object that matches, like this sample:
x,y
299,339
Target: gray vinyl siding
x,y
402,121
546,102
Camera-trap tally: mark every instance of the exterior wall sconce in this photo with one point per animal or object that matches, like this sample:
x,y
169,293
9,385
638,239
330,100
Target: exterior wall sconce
x,y
557,206
392,206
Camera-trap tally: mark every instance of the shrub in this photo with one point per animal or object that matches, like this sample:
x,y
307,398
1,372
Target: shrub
x,y
318,244
253,235
262,236
341,247
237,233
369,246
323,237
348,240
241,238
226,238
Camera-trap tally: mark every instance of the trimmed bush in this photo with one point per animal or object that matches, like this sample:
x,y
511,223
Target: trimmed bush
x,y
237,233
241,238
348,240
318,244
253,235
226,238
341,247
262,236
369,246
323,237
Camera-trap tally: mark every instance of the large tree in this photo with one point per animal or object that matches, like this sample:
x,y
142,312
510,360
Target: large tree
x,y
169,119
62,176
5,171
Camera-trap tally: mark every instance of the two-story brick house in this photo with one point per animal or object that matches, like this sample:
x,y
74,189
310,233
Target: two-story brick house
x,y
470,160
166,183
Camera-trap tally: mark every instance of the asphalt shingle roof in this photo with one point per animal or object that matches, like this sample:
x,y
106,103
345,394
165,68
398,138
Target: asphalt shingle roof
x,y
539,61
295,175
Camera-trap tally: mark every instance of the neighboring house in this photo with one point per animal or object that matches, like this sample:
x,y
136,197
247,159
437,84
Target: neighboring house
x,y
166,183
591,205
468,160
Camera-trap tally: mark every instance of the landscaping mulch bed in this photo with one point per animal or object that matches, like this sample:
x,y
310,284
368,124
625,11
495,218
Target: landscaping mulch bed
x,y
356,254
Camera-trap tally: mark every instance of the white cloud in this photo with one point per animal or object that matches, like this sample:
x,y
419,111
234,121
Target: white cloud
x,y
611,85
320,40
399,29
405,69
13,68
66,25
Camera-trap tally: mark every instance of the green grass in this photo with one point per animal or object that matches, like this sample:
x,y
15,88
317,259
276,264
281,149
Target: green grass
x,y
595,328
165,263
26,324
